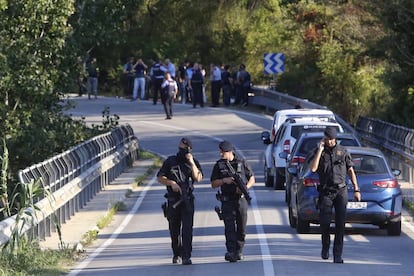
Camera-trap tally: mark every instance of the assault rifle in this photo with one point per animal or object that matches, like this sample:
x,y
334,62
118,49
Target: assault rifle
x,y
239,181
184,190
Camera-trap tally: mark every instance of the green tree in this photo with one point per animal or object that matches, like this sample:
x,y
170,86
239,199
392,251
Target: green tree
x,y
32,53
399,18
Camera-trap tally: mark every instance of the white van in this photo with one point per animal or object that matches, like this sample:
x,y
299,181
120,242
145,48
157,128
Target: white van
x,y
280,116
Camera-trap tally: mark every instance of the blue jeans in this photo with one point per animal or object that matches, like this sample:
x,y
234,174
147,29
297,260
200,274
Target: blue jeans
x,y
139,83
92,86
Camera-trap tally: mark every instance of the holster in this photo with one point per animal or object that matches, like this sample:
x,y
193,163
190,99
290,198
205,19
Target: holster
x,y
164,208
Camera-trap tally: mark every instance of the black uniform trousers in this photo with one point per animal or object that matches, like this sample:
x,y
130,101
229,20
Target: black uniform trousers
x,y
235,220
156,89
337,199
180,222
215,92
167,99
197,96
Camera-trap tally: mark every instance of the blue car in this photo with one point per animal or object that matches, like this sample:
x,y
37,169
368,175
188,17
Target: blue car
x,y
381,196
306,143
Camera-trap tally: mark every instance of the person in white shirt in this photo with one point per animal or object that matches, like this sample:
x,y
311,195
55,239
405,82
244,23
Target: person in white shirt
x,y
215,81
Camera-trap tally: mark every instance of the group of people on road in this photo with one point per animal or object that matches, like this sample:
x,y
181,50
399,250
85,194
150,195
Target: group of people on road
x,y
140,81
179,172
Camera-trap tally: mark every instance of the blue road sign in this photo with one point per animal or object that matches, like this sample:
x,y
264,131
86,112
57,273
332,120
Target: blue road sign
x,y
274,63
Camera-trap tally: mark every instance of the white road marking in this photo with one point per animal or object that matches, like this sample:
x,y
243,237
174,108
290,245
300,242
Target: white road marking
x,y
116,233
264,247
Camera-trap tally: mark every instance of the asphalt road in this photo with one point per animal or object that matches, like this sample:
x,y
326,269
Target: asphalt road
x,y
138,243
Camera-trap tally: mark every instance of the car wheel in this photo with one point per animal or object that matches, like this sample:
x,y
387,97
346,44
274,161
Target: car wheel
x,y
268,179
302,226
394,229
287,194
292,219
279,180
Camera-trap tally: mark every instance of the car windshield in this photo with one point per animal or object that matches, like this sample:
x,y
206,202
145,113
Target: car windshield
x,y
367,164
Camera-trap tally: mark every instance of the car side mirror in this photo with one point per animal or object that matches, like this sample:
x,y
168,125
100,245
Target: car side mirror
x,y
292,170
396,172
266,137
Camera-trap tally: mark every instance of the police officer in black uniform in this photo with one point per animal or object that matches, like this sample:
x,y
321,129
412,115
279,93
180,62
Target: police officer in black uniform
x,y
178,173
233,203
157,77
332,162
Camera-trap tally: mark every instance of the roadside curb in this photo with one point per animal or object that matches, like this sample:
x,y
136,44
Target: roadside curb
x,y
86,219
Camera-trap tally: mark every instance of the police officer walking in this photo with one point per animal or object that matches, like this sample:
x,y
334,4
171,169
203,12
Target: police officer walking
x,y
168,93
178,173
233,203
332,162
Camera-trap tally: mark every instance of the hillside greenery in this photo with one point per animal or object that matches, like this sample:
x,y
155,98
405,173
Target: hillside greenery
x,y
355,57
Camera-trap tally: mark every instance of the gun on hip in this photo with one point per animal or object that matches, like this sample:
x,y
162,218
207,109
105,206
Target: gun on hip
x,y
239,182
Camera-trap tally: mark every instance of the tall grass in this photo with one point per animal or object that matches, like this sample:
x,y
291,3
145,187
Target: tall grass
x,y
22,255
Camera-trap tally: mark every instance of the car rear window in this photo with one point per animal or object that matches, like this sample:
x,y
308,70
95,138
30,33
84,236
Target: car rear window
x,y
297,130
348,142
309,144
367,164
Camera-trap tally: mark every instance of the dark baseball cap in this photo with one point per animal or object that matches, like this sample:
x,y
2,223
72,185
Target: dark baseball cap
x,y
330,132
186,142
226,146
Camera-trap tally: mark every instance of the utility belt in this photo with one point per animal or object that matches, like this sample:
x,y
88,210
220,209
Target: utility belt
x,y
333,188
225,198
337,186
173,198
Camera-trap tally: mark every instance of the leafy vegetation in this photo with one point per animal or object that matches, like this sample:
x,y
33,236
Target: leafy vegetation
x,y
22,255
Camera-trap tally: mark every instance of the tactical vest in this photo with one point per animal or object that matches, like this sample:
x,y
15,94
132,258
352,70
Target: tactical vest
x,y
157,73
181,173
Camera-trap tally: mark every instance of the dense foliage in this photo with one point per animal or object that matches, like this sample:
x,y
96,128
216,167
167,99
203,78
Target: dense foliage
x,y
352,56
356,57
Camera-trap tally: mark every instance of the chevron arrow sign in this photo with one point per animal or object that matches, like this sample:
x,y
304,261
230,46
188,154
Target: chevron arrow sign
x,y
274,63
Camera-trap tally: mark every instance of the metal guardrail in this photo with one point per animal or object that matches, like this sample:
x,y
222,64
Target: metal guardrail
x,y
74,177
398,141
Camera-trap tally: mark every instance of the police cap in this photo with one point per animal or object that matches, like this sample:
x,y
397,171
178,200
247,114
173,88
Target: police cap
x,y
186,142
226,146
330,132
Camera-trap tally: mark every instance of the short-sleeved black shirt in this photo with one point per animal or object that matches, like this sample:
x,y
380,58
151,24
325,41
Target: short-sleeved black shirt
x,y
333,166
173,168
220,171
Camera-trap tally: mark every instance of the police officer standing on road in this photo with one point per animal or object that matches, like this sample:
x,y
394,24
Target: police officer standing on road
x,y
157,77
332,161
168,93
233,203
178,173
